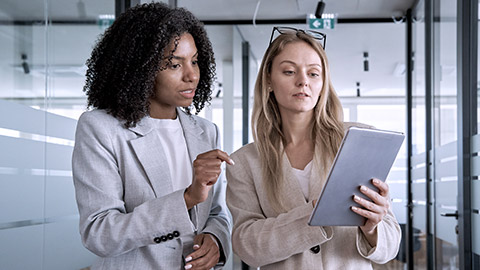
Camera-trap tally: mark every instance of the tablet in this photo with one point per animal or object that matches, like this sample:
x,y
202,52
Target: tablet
x,y
363,154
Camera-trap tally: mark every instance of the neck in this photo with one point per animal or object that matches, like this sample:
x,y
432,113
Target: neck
x,y
159,113
297,127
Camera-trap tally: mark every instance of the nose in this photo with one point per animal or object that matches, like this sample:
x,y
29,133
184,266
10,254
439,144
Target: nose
x,y
302,80
191,73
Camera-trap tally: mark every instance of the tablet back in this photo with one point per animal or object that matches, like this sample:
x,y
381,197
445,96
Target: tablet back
x,y
364,154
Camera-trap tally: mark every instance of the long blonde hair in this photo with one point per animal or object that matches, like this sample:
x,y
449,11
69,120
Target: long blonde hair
x,y
327,131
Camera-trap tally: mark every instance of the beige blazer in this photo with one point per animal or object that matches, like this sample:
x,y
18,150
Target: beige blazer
x,y
263,238
130,216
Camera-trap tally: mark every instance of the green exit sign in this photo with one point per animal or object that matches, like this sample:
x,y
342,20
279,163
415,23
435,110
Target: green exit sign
x,y
323,23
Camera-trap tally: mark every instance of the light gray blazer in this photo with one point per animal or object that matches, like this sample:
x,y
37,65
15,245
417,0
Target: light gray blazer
x,y
129,214
263,238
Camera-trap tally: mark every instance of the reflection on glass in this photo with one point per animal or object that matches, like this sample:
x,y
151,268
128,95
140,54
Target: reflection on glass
x,y
445,133
69,46
420,249
476,183
418,159
22,40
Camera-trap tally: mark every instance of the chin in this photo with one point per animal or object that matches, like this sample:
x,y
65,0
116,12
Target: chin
x,y
185,104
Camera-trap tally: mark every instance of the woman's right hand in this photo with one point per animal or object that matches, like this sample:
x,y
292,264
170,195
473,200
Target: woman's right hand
x,y
206,170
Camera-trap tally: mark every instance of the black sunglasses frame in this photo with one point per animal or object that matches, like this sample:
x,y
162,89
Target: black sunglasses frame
x,y
314,34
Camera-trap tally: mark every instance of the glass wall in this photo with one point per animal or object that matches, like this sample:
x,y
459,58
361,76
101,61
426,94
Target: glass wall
x,y
419,158
445,133
44,48
475,193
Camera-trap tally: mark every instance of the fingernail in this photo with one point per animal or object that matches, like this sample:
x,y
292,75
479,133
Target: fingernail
x,y
188,266
189,258
196,246
356,198
232,162
376,181
354,208
363,188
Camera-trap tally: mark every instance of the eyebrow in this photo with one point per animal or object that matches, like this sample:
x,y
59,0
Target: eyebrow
x,y
293,63
183,58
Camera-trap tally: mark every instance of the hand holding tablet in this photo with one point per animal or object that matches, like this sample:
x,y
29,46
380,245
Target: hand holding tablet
x,y
364,155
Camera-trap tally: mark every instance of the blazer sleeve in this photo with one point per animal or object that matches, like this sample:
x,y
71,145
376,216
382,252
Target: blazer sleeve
x,y
389,236
218,222
105,226
259,240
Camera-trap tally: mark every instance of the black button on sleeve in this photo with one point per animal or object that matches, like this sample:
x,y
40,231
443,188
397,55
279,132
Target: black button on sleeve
x,y
157,240
164,238
315,249
176,233
170,236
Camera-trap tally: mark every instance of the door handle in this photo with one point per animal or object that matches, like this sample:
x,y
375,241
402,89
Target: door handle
x,y
450,214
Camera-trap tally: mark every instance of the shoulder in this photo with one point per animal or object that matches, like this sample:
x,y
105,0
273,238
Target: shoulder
x,y
98,120
246,160
194,120
246,152
97,116
347,125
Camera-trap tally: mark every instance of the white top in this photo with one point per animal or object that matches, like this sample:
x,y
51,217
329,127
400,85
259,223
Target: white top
x,y
303,177
173,142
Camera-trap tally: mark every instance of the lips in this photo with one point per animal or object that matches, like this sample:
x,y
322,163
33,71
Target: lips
x,y
189,93
301,94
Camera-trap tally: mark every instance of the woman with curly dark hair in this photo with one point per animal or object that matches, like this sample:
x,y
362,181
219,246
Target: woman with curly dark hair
x,y
147,173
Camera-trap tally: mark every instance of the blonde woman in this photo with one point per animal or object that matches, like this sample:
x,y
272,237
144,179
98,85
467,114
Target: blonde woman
x,y
297,127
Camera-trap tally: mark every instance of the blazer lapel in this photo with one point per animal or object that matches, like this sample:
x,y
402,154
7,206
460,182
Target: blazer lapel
x,y
316,183
197,143
151,155
293,194
195,138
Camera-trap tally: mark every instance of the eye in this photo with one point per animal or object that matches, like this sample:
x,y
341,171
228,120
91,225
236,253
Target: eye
x,y
288,72
314,74
195,62
174,66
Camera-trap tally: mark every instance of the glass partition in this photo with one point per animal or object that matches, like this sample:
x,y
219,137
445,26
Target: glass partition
x,y
45,44
419,158
445,133
476,172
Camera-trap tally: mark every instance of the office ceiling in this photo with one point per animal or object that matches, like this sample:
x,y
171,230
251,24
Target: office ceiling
x,y
208,9
346,43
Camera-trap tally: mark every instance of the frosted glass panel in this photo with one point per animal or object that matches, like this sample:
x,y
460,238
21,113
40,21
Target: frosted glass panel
x,y
476,233
419,191
444,191
61,127
60,197
63,247
21,153
420,214
21,198
59,157
21,248
18,115
476,195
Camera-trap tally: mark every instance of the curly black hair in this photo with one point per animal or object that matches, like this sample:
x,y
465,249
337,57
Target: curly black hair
x,y
127,57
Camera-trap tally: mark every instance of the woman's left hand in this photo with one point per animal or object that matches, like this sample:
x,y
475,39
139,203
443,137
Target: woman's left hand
x,y
206,254
375,210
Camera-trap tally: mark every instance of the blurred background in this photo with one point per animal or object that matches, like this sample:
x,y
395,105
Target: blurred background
x,y
403,65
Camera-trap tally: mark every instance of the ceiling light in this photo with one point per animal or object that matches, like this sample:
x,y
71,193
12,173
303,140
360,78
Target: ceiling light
x,y
25,66
320,9
365,61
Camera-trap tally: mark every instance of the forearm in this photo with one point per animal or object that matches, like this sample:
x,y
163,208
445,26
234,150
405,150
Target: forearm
x,y
262,241
110,231
388,237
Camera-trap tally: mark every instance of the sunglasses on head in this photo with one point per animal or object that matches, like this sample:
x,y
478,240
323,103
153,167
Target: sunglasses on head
x,y
321,37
